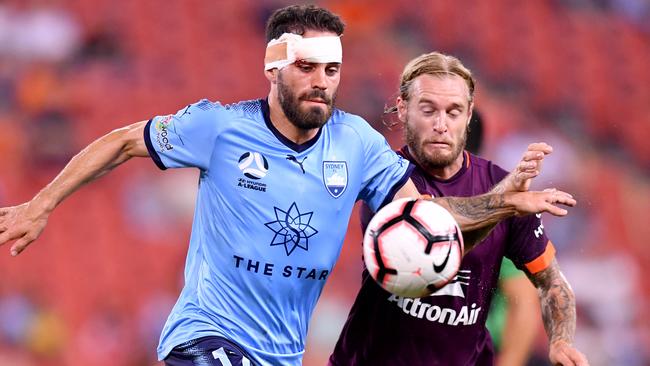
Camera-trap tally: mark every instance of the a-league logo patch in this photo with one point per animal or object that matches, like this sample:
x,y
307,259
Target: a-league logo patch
x,y
335,177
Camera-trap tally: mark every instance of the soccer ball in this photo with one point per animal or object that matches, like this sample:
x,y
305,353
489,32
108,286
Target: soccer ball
x,y
412,247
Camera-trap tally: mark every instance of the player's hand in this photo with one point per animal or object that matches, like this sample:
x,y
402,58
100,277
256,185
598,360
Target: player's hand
x,y
562,353
528,168
537,202
23,223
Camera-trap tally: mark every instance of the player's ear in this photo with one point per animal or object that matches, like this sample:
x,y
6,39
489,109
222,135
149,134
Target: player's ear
x,y
272,75
401,109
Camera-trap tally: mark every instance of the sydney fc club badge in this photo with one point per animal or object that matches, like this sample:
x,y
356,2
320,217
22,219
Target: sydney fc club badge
x,y
335,177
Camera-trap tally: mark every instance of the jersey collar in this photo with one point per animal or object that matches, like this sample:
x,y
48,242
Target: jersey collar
x,y
285,141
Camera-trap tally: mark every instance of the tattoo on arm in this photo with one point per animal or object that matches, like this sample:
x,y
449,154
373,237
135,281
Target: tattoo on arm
x,y
477,212
501,186
558,303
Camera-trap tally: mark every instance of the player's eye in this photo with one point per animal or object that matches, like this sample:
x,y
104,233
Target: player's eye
x,y
303,66
454,113
332,70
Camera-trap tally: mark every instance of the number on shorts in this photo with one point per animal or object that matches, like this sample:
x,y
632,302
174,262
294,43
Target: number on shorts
x,y
221,355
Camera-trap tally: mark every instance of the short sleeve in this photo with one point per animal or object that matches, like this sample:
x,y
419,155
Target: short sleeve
x,y
385,172
528,246
187,138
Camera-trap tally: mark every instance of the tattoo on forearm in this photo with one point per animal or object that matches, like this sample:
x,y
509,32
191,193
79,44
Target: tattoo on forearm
x,y
476,208
558,303
477,212
501,186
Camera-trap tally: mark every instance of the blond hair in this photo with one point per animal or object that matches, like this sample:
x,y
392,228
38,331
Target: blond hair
x,y
437,64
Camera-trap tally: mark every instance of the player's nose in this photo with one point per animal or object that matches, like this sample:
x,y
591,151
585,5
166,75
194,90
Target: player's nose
x,y
319,79
440,121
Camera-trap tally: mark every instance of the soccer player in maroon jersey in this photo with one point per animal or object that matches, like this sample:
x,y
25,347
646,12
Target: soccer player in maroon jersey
x,y
448,328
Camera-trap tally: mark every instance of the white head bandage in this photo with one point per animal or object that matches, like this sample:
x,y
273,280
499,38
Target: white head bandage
x,y
290,48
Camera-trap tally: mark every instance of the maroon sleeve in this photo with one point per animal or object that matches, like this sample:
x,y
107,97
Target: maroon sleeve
x,y
528,246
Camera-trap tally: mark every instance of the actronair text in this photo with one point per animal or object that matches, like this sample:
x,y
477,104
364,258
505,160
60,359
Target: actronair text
x,y
434,313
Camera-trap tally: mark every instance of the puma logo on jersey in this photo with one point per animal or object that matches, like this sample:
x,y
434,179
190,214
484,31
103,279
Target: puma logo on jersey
x,y
295,160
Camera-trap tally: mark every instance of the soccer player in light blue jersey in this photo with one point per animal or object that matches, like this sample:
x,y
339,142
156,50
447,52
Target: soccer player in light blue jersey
x,y
278,179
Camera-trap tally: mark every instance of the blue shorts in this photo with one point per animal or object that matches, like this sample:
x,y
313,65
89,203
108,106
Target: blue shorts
x,y
208,351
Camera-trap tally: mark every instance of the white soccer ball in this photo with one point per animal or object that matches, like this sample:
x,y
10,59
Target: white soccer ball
x,y
253,165
412,247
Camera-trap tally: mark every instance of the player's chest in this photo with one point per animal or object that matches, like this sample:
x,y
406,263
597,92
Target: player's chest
x,y
263,167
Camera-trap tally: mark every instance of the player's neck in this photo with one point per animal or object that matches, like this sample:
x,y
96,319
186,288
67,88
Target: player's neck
x,y
284,126
446,172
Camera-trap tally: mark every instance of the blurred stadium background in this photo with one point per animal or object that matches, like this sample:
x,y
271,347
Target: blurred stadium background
x,y
96,288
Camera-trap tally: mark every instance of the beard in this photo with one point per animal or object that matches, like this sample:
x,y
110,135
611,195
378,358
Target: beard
x,y
433,160
313,117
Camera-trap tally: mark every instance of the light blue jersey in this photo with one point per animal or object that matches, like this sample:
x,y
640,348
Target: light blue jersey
x,y
269,222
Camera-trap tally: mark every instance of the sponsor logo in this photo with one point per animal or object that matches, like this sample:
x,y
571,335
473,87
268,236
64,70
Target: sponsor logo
x,y
335,177
540,229
295,160
292,229
455,287
163,126
287,271
254,166
467,315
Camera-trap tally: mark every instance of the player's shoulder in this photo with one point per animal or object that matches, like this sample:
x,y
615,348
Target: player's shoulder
x,y
248,108
242,108
342,119
487,168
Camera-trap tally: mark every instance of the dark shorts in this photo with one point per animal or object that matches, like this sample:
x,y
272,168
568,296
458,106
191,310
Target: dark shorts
x,y
208,351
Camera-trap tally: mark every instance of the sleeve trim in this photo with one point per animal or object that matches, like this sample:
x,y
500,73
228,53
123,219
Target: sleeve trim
x,y
398,185
152,152
543,261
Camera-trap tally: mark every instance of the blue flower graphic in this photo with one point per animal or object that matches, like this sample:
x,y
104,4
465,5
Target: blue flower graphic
x,y
291,229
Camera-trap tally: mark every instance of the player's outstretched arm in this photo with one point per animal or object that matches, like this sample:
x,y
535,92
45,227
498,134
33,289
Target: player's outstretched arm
x,y
559,315
477,215
528,168
477,212
24,223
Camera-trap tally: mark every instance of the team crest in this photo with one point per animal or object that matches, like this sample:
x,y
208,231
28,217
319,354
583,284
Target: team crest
x,y
335,177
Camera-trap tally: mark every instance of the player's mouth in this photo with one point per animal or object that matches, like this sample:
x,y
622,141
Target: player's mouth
x,y
437,144
319,101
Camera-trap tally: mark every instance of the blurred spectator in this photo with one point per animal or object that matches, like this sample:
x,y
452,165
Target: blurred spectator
x,y
50,139
36,33
17,314
607,294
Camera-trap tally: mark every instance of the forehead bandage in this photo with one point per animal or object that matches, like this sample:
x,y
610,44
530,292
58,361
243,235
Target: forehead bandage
x,y
290,48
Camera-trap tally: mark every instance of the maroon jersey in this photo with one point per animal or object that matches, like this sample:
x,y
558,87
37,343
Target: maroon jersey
x,y
448,327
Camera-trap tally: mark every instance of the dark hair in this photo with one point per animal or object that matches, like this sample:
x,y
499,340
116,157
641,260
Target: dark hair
x,y
299,18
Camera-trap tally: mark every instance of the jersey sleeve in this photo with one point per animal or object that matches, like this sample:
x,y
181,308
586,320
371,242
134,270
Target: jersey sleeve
x,y
528,246
385,172
187,138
